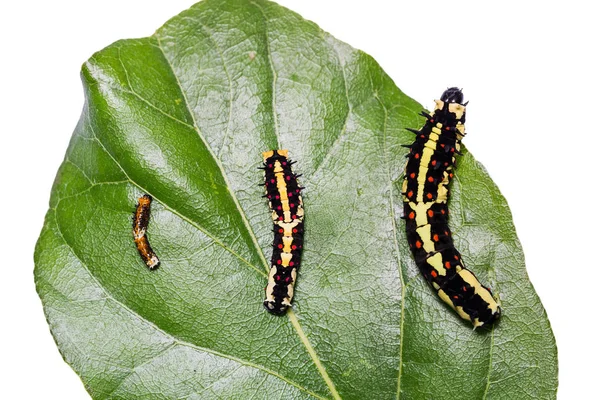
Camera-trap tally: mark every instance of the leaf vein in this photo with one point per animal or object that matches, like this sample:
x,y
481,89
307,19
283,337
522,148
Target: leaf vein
x,y
395,229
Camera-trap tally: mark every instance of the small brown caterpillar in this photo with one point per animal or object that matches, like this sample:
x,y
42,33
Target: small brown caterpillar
x,y
141,218
283,192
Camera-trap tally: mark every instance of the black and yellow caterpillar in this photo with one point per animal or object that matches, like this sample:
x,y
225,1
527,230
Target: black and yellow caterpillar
x,y
283,192
428,173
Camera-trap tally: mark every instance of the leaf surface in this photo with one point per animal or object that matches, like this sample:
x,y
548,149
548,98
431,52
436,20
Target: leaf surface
x,y
184,116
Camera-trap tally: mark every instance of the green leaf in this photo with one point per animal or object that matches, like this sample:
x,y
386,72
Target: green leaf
x,y
184,116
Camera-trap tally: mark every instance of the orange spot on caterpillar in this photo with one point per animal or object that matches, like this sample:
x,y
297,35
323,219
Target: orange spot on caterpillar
x,y
430,179
436,238
412,175
429,196
456,257
433,273
418,244
430,213
447,265
417,156
411,215
433,162
410,194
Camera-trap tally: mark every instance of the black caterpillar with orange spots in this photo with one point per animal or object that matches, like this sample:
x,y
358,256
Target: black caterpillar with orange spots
x,y
283,192
428,172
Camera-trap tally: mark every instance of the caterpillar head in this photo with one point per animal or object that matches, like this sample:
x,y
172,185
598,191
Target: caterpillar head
x,y
450,110
275,307
452,95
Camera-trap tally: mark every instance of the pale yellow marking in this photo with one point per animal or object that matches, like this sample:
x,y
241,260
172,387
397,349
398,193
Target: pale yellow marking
x,y
445,298
457,109
459,310
282,187
422,174
425,159
267,154
300,209
287,244
430,144
445,178
285,259
469,278
442,195
425,235
462,313
270,153
291,286
271,284
479,289
436,262
435,285
288,226
436,130
420,211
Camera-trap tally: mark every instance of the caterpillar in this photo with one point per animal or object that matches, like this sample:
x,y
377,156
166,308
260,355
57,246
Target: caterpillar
x,y
425,193
283,193
141,218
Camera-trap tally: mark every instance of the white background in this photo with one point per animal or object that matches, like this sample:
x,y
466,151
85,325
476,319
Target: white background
x,y
529,69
